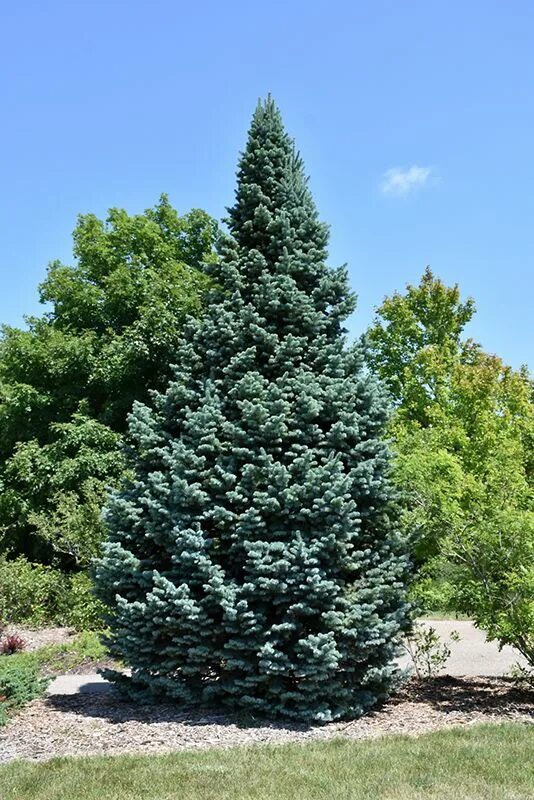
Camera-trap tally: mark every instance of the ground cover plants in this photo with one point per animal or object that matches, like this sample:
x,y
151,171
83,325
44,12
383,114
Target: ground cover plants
x,y
24,675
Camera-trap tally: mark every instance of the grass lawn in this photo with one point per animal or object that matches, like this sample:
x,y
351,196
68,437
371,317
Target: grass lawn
x,y
54,659
486,762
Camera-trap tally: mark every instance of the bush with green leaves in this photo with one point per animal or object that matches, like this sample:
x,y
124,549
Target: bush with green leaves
x,y
253,560
29,593
428,652
78,606
20,682
25,675
35,594
495,582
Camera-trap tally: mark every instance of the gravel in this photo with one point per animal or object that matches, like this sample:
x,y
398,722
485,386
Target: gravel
x,y
101,723
34,638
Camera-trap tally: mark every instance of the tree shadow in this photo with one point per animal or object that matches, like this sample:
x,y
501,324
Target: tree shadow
x,y
102,701
481,697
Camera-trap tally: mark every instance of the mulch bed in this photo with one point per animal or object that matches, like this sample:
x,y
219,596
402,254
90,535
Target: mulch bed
x,y
104,724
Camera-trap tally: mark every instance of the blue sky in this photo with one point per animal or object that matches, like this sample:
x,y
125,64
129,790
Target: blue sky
x,y
415,121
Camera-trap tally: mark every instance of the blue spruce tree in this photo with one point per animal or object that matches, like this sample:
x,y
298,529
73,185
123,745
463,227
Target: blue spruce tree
x,y
253,560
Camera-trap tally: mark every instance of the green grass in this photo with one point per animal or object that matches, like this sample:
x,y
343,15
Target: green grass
x,y
55,659
21,674
486,762
85,648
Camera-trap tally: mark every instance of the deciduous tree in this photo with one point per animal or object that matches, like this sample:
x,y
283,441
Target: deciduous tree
x,y
68,381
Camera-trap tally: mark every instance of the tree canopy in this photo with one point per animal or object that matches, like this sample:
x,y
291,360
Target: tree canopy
x,y
68,381
464,432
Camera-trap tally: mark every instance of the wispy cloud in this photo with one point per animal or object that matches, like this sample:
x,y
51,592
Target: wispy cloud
x,y
401,180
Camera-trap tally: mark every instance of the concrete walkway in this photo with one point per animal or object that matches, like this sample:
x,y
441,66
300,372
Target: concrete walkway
x,y
471,656
91,683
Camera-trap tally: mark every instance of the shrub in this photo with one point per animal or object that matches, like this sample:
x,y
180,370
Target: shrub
x,y
78,607
28,592
33,594
19,683
496,582
427,652
12,643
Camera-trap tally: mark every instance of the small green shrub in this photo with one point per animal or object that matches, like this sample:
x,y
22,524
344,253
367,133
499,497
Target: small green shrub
x,y
28,592
78,607
21,673
496,582
34,594
20,682
427,651
432,595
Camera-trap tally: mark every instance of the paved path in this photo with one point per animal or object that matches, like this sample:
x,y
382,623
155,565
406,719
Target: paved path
x,y
471,656
78,684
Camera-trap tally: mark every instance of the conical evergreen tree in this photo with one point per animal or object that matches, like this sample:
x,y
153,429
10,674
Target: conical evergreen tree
x,y
253,560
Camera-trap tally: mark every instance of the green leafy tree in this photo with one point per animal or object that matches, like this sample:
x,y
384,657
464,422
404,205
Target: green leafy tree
x,y
253,559
68,381
414,343
464,433
59,488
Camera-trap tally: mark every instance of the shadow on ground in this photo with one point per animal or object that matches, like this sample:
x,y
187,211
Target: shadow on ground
x,y
484,696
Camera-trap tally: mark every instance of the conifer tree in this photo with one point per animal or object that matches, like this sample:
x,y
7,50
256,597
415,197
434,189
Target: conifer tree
x,y
253,561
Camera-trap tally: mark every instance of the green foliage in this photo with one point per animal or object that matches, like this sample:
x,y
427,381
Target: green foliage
x,y
496,581
28,592
25,675
428,653
68,382
78,606
433,590
253,561
464,456
135,280
35,594
415,341
59,489
19,683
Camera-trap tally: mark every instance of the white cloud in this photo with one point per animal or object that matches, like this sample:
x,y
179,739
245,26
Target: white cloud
x,y
400,180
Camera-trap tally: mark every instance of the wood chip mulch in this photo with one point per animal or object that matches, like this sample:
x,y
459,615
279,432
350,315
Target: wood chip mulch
x,y
103,724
